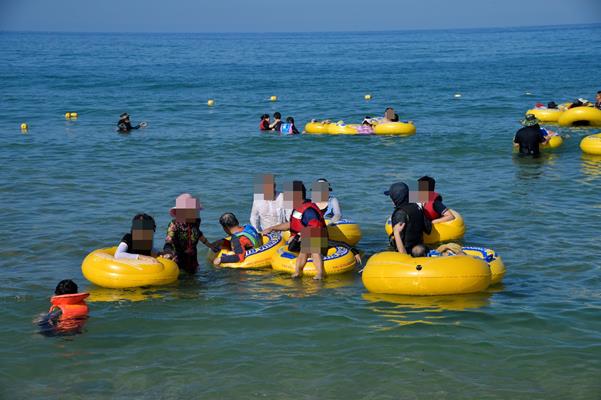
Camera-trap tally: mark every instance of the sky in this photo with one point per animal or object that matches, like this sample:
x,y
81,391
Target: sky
x,y
288,15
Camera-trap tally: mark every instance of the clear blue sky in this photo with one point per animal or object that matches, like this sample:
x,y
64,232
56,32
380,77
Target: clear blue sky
x,y
287,15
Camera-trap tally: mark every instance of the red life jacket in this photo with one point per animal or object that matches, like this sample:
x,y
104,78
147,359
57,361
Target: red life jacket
x,y
296,224
264,125
71,305
428,207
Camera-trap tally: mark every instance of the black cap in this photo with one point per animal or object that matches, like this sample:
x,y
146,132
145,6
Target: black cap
x,y
395,189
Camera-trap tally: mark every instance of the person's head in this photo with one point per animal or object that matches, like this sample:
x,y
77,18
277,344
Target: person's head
x,y
399,193
228,221
265,117
551,105
389,113
66,286
530,120
320,190
295,194
366,120
290,120
426,183
264,187
419,251
142,231
186,208
124,117
598,97
277,115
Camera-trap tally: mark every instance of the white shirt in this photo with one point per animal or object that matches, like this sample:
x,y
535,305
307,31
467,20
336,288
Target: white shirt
x,y
267,213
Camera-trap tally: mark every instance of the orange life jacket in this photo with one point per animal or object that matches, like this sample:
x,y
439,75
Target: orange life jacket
x,y
72,306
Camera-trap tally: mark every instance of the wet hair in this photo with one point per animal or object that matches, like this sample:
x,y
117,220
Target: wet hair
x,y
277,115
228,220
264,116
429,180
290,120
298,186
599,92
66,286
388,108
419,251
396,118
124,115
143,221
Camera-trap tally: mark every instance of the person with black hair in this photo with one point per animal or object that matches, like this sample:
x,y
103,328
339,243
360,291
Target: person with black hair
x,y
431,202
288,127
242,238
408,221
307,227
598,100
277,122
124,125
138,242
68,311
264,124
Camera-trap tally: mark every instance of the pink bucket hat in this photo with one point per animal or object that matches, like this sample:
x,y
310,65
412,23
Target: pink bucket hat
x,y
187,202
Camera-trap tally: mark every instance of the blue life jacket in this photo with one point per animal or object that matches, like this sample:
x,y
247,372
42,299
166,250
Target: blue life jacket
x,y
251,234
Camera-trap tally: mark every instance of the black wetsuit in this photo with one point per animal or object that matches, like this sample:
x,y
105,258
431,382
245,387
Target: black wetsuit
x,y
126,126
529,138
415,225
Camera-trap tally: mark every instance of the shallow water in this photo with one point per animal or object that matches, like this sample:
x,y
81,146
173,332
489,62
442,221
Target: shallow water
x,y
69,187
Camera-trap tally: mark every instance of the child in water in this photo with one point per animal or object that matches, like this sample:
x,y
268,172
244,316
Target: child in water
x,y
288,127
138,242
183,234
68,312
264,124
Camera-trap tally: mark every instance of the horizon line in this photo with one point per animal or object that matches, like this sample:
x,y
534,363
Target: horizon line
x,y
583,25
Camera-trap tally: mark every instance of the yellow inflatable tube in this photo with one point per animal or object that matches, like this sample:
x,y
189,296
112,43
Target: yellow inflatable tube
x,y
342,129
394,273
395,128
101,268
494,261
591,144
259,257
338,261
581,116
441,232
546,114
553,143
345,231
317,127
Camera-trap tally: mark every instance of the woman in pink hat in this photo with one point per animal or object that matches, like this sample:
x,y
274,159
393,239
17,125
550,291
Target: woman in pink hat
x,y
183,233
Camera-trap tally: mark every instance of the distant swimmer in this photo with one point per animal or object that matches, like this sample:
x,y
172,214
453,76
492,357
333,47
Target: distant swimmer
x,y
124,124
431,202
288,127
598,100
264,124
277,122
530,137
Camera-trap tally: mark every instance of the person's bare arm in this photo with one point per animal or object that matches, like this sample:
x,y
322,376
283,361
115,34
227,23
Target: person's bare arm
x,y
446,216
397,229
279,227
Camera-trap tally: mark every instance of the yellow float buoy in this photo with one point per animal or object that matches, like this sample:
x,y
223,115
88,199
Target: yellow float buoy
x,y
211,103
338,261
70,115
396,273
273,98
256,258
102,269
368,97
24,127
591,144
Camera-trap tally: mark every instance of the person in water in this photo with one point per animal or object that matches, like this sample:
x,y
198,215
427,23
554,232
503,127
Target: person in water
x,y
408,221
307,226
264,124
389,116
138,242
580,102
183,233
598,100
431,202
288,127
277,122
529,138
124,124
268,205
321,195
68,311
242,238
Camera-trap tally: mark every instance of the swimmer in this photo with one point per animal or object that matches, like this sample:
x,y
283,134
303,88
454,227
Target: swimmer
x,y
242,238
137,244
124,125
288,127
264,124
68,312
183,233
